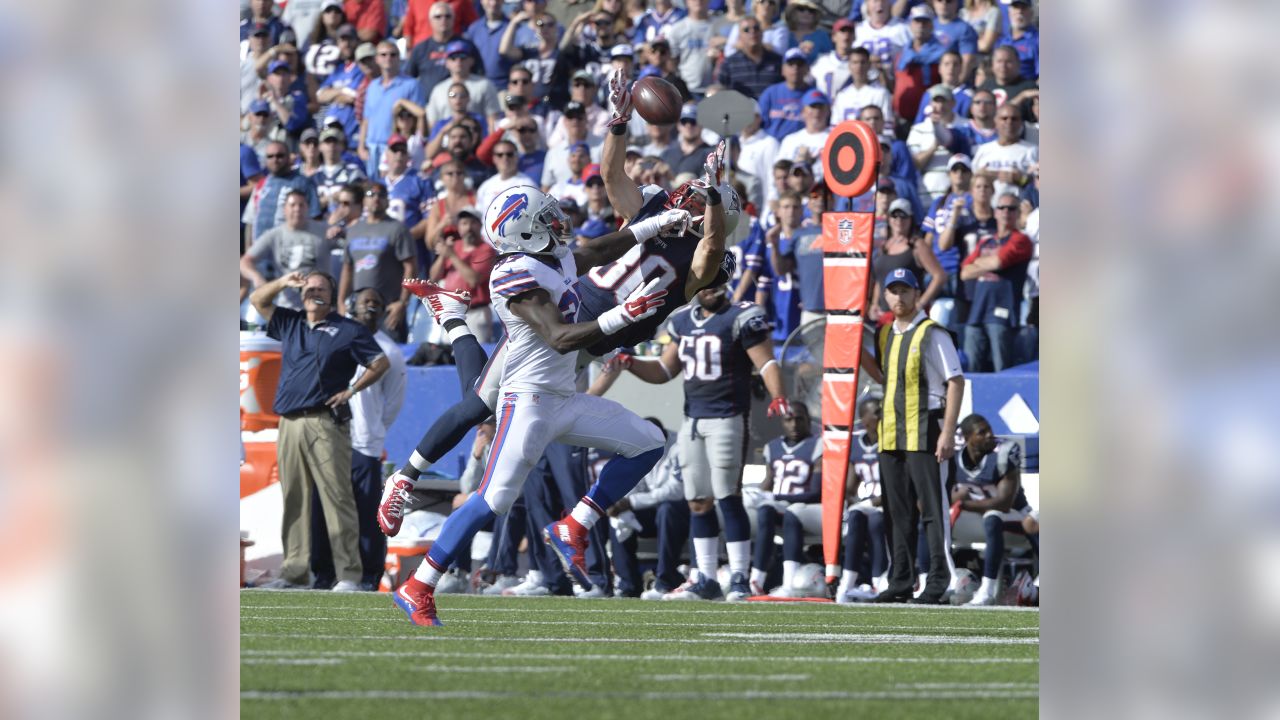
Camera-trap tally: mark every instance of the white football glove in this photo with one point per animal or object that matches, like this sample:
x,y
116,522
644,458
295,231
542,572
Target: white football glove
x,y
640,304
713,169
669,222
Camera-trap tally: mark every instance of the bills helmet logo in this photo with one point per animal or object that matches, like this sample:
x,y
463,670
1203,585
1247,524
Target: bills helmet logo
x,y
511,210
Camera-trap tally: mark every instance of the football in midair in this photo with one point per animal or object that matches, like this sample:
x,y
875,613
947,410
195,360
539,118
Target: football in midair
x,y
656,100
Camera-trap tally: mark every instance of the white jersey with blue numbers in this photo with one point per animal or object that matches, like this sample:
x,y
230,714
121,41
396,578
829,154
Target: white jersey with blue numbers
x,y
864,455
796,469
530,364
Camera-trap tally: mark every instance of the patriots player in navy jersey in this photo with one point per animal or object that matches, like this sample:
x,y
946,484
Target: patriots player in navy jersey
x,y
718,345
678,256
792,485
988,481
865,520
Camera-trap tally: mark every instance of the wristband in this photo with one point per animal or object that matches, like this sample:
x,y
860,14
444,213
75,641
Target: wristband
x,y
619,129
646,229
713,196
766,365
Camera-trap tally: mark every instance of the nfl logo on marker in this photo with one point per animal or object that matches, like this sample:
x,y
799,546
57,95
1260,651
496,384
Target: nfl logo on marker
x,y
844,232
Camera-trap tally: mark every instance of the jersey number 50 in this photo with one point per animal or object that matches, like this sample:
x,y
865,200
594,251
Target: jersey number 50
x,y
701,357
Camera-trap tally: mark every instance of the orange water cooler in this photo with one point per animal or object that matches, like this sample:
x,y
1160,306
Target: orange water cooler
x,y
259,376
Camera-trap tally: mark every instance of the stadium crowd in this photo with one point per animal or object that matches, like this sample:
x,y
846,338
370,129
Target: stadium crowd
x,y
374,133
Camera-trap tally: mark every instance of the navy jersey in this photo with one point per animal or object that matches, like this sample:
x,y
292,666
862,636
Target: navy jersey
x,y
865,458
797,469
993,466
609,285
713,349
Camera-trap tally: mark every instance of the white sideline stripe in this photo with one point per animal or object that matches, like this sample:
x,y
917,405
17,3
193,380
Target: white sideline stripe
x,y
714,639
739,609
961,686
293,661
597,657
873,638
768,678
399,618
738,695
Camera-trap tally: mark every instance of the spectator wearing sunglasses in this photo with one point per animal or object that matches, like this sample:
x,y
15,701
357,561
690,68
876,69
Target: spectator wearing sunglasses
x,y
486,35
753,67
266,205
781,103
427,60
380,100
540,60
688,153
505,160
994,275
1009,159
421,21
482,97
661,65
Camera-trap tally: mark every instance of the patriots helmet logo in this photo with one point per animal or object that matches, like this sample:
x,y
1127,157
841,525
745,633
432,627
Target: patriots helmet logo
x,y
510,211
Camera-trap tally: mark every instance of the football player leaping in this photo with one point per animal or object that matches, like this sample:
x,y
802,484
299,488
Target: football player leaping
x,y
682,259
534,290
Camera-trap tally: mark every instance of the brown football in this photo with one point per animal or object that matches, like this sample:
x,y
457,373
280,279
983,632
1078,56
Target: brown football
x,y
656,100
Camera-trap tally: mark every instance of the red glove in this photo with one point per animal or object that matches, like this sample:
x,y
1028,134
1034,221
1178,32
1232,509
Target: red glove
x,y
618,363
780,407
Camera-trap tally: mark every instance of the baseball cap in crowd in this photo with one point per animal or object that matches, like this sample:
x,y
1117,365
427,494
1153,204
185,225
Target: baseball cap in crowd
x,y
593,228
333,134
259,107
649,71
921,12
887,188
580,146
575,109
1020,2
331,3
901,276
259,29
959,159
621,50
457,47
278,65
902,204
569,205
794,55
941,91
591,172
397,139
632,150
333,121
452,231
585,75
472,211
346,30
365,50
288,37
841,24
815,97
689,112
308,134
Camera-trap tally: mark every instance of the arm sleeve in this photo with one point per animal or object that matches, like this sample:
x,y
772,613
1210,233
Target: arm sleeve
x,y
514,279
262,244
752,327
945,353
281,319
1017,250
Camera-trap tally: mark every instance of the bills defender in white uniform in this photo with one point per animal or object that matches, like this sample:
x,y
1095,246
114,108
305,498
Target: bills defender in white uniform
x,y
533,287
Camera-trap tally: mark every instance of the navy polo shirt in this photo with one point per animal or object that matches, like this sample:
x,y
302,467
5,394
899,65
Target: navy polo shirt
x,y
317,362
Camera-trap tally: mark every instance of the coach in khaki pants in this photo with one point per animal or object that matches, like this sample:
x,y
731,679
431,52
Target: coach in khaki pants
x,y
320,354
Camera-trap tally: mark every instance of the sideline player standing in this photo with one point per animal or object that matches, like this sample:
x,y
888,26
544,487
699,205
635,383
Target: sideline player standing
x,y
534,294
688,257
718,344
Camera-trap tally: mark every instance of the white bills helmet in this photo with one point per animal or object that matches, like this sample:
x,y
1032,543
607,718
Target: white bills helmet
x,y
525,219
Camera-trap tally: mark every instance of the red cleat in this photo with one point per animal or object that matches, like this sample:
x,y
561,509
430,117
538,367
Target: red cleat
x,y
391,509
442,304
570,545
420,607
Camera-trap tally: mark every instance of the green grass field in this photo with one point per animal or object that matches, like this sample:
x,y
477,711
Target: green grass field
x,y
330,655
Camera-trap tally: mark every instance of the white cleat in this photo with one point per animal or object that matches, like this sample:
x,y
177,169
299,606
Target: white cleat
x,y
502,583
346,586
531,586
453,581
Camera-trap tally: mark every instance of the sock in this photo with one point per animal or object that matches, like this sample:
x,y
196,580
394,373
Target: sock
x,y
924,578
737,526
620,475
849,579
456,329
739,556
427,574
585,514
988,586
454,540
708,551
415,467
789,568
758,577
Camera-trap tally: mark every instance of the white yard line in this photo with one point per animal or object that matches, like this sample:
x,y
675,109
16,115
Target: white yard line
x,y
740,695
628,658
594,606
710,638
292,661
386,616
737,678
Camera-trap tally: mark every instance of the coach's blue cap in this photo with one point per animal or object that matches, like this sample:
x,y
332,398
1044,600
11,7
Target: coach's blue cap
x,y
902,275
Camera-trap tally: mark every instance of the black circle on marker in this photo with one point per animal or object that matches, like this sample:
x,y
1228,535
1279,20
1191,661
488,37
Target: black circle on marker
x,y
839,174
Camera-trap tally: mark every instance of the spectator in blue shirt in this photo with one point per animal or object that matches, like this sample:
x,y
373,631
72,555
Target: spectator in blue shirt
x,y
955,35
261,13
780,104
266,205
289,106
663,14
486,35
379,106
1024,37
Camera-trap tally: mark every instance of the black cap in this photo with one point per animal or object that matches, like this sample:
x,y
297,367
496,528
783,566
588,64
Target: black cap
x,y
574,108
